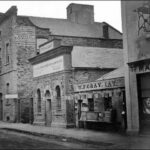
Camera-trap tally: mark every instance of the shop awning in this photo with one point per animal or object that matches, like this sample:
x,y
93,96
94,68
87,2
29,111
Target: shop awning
x,y
117,73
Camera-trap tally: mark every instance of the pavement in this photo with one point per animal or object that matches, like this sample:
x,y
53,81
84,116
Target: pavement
x,y
119,140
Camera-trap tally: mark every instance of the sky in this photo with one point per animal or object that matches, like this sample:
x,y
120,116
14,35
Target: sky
x,y
108,11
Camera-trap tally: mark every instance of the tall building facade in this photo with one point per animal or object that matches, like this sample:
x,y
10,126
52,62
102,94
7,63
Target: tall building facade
x,y
21,38
136,28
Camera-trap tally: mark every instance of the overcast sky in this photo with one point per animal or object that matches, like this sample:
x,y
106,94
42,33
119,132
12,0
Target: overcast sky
x,y
108,11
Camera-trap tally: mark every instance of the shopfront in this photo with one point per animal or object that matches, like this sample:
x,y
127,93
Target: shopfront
x,y
142,71
102,101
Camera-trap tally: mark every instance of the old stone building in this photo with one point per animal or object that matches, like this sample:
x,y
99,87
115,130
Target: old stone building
x,y
136,29
21,38
55,72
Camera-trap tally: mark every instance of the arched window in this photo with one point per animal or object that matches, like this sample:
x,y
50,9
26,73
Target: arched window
x,y
39,100
47,94
58,97
7,88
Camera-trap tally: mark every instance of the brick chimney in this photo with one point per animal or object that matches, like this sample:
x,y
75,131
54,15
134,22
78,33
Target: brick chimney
x,y
80,13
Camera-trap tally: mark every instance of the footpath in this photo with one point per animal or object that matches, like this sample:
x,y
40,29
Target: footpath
x,y
83,135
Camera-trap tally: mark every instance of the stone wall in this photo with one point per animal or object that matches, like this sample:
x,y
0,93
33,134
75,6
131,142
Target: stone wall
x,y
49,82
8,69
91,42
26,48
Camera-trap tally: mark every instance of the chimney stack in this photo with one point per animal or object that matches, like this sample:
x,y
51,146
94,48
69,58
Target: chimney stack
x,y
80,13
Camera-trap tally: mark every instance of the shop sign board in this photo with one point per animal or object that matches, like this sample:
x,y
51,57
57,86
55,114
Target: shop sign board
x,y
46,47
11,96
140,68
48,67
103,84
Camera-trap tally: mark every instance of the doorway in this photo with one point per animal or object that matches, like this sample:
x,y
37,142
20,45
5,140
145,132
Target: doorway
x,y
143,84
48,112
48,109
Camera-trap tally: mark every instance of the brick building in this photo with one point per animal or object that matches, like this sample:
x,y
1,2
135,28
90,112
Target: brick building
x,y
21,38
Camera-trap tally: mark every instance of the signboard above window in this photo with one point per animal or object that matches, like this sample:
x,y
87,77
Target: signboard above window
x,y
48,67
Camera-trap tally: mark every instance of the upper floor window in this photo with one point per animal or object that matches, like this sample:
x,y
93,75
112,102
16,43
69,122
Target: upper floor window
x,y
39,100
58,97
106,31
7,88
7,53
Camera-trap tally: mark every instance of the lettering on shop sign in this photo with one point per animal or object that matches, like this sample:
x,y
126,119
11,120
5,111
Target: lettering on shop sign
x,y
47,67
140,68
24,34
46,47
104,84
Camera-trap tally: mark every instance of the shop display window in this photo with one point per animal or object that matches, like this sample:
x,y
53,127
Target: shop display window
x,y
107,103
146,105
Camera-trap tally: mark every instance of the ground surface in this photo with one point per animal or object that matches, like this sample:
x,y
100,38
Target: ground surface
x,y
15,140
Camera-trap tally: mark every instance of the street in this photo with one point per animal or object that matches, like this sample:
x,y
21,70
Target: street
x,y
15,140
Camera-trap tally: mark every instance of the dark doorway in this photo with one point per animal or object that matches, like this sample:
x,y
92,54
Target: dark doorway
x,y
31,111
79,109
143,84
48,112
48,108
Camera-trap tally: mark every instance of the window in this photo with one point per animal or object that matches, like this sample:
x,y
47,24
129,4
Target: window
x,y
58,97
39,100
7,53
7,88
47,94
105,31
107,103
91,104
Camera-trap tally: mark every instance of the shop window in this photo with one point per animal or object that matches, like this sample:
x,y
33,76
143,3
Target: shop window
x,y
58,97
91,104
107,103
39,100
7,53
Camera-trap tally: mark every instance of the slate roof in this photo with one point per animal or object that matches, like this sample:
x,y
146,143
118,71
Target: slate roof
x,y
68,28
97,57
117,73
